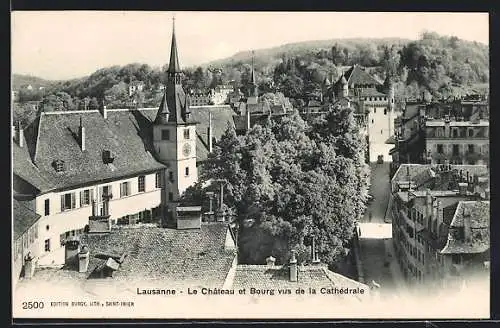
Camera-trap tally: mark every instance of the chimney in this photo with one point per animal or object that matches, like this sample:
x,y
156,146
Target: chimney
x,y
462,188
71,250
467,226
439,214
83,259
209,132
270,261
94,208
293,268
81,134
104,110
248,118
314,255
433,217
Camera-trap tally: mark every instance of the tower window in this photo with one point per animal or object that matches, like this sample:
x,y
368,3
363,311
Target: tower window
x,y
165,134
47,245
170,196
374,111
186,133
385,111
187,171
141,181
171,176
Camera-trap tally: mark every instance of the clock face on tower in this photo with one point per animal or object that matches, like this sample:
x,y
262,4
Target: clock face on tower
x,y
186,149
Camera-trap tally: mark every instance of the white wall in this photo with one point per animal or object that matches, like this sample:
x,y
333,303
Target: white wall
x,y
59,222
380,130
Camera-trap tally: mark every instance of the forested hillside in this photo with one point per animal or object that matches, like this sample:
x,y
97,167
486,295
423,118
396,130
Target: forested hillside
x,y
437,64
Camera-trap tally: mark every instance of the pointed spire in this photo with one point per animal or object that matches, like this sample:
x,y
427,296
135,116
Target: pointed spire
x,y
163,111
253,69
174,66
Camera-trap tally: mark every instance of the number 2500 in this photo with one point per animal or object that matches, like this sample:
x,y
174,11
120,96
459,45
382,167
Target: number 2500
x,y
33,305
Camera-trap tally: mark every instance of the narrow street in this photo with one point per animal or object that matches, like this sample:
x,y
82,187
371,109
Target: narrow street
x,y
376,252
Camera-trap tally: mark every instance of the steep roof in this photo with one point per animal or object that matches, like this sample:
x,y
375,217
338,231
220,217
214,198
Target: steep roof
x,y
24,216
174,66
164,257
357,76
418,170
478,212
126,134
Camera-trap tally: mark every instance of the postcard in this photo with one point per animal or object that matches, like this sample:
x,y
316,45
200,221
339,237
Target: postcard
x,y
244,165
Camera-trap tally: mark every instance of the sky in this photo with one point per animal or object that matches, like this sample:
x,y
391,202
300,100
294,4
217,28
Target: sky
x,y
68,44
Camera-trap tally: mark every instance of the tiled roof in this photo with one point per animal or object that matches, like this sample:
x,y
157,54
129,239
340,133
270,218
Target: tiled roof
x,y
127,134
174,257
479,212
414,170
371,92
24,216
222,118
356,76
278,277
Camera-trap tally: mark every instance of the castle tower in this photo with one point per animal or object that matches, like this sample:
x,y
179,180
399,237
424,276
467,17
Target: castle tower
x,y
343,87
174,133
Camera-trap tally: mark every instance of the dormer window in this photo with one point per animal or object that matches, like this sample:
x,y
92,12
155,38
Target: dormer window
x,y
107,157
59,165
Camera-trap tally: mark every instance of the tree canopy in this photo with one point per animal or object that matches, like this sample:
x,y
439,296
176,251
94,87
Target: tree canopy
x,y
286,184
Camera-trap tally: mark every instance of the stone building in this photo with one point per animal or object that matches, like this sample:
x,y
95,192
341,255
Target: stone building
x,y
112,167
374,106
427,203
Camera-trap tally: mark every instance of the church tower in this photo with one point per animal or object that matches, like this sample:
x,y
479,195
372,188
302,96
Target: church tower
x,y
253,92
174,133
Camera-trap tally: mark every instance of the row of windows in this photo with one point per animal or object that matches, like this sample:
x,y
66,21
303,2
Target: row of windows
x,y
68,200
456,149
458,133
165,134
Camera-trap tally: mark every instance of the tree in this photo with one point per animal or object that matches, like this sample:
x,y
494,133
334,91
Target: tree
x,y
285,186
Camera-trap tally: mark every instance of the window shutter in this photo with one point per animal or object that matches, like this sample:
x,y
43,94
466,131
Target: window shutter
x,y
73,200
62,203
82,198
91,196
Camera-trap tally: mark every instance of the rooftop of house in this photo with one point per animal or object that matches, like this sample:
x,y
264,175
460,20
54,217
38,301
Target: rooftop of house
x,y
126,134
418,170
176,257
447,197
278,277
441,122
356,75
478,212
24,216
222,118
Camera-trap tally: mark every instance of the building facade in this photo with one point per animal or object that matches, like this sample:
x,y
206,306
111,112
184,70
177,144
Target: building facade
x,y
111,167
426,200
